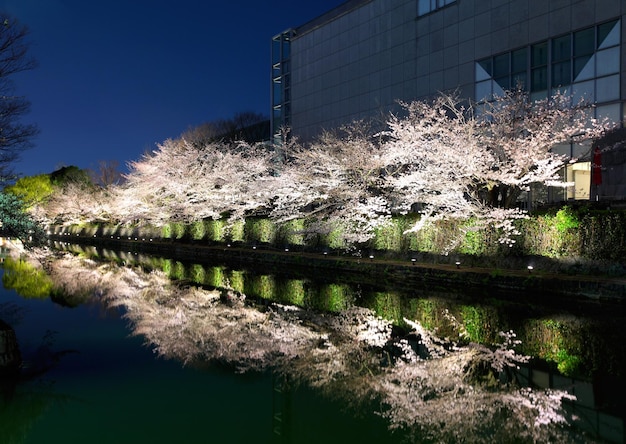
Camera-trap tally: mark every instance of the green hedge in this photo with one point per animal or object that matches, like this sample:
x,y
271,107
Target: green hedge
x,y
573,233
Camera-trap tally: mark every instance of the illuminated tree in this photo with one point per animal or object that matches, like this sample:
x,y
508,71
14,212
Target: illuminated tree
x,y
453,163
15,221
75,203
32,190
336,181
181,182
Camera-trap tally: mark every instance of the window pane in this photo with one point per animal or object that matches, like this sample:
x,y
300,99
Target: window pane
x,y
607,61
583,91
561,48
286,49
608,35
278,93
275,51
613,112
276,71
519,60
501,65
539,95
519,80
561,73
504,82
277,116
583,68
483,90
539,54
607,88
486,67
423,7
539,79
584,42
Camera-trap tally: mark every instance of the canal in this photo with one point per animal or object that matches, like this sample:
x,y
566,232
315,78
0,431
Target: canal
x,y
126,347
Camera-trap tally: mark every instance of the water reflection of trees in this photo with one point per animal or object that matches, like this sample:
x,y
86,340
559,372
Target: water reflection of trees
x,y
438,389
565,338
24,394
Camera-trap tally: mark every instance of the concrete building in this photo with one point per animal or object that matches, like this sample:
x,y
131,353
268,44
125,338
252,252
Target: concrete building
x,y
357,60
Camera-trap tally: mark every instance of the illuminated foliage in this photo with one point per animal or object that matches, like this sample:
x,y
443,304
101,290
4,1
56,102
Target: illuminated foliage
x,y
439,161
26,279
32,190
15,221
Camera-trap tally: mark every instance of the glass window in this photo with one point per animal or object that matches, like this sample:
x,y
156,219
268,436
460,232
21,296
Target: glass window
x,y
539,95
539,54
613,112
501,65
276,72
423,7
561,48
583,68
426,6
275,51
483,90
519,60
539,79
561,73
584,91
607,88
286,49
584,42
485,68
519,80
503,82
277,90
277,115
607,61
608,34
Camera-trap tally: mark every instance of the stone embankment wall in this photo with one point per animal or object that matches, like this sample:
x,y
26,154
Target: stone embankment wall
x,y
405,271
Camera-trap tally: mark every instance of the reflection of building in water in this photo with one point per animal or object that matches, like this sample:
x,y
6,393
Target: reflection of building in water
x,y
605,424
357,60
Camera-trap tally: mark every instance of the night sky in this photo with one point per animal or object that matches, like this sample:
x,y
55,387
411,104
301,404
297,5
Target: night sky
x,y
116,77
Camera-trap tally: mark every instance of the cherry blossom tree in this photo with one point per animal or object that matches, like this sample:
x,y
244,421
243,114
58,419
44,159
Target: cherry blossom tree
x,y
440,158
520,134
453,162
76,203
181,182
335,182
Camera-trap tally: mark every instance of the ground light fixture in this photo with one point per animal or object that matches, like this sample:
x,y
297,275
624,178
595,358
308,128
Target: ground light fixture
x,y
458,264
530,269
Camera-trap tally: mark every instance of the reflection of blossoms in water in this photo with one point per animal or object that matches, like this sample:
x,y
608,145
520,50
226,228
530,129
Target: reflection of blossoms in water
x,y
437,389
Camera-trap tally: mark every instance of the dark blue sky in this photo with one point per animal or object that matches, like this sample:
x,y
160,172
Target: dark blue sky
x,y
116,77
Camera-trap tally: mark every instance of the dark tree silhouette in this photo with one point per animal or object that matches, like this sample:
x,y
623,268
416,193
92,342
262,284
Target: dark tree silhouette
x,y
15,136
245,126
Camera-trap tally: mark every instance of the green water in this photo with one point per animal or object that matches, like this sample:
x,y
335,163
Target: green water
x,y
111,388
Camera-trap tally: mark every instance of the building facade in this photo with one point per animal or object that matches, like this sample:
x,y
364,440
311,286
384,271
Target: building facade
x,y
359,59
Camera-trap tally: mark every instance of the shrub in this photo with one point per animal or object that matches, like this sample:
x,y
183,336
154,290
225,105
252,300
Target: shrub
x,y
198,230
